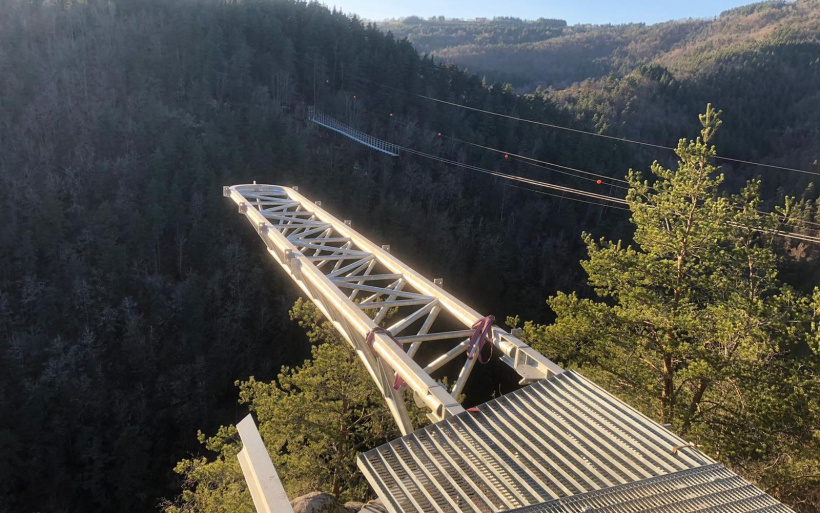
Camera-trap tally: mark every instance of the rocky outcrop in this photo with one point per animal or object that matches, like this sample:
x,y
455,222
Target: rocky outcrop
x,y
318,502
374,506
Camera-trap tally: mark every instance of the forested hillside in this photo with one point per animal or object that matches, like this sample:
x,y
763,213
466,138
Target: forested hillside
x,y
759,63
550,53
131,294
133,297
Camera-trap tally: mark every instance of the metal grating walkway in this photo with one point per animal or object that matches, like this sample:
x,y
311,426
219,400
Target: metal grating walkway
x,y
711,488
560,437
360,137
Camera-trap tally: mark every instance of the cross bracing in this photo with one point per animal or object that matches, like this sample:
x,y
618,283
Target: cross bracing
x,y
560,445
407,330
320,118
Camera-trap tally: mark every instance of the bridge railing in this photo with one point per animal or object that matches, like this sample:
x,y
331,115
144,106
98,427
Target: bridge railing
x,y
380,305
320,118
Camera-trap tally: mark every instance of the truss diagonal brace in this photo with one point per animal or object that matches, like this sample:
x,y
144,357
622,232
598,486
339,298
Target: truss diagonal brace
x,y
295,245
350,321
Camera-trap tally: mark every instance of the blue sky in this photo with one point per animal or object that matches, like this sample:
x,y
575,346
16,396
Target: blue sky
x,y
574,11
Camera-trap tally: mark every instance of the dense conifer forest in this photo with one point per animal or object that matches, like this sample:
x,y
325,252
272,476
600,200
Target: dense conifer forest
x,y
759,63
132,297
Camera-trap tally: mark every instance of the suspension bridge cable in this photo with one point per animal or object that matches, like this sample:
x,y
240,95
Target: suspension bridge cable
x,y
530,181
538,183
771,231
569,190
795,223
544,162
585,132
535,162
548,168
567,197
604,198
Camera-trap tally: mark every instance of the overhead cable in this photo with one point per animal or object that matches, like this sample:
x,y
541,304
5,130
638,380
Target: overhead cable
x,y
538,183
545,164
586,132
569,190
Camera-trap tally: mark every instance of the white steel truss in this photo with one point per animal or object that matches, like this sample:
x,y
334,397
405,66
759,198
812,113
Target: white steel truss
x,y
379,304
561,445
326,121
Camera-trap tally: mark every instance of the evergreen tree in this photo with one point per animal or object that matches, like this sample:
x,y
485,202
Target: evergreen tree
x,y
693,324
314,419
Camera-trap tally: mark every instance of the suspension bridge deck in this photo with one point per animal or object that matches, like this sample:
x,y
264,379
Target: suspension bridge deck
x,y
360,137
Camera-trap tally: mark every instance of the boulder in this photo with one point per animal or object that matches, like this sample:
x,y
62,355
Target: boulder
x,y
354,506
317,502
374,506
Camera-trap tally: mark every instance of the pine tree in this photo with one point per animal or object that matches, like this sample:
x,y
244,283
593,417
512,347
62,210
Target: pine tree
x,y
314,419
693,324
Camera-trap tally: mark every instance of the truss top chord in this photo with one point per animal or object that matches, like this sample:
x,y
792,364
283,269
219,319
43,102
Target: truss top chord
x,y
360,286
561,445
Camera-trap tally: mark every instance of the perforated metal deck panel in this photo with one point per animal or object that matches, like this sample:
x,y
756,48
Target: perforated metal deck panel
x,y
560,437
705,489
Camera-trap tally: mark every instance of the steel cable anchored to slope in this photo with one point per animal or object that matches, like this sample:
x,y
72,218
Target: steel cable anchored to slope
x,y
602,197
573,172
559,196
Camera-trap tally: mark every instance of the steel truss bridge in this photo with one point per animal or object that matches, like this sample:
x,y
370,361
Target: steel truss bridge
x,y
561,444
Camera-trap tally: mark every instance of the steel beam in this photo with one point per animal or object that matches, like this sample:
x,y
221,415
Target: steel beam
x,y
359,286
266,489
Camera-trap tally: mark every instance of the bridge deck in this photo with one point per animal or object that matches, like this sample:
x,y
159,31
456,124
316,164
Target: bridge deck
x,y
360,137
534,448
712,488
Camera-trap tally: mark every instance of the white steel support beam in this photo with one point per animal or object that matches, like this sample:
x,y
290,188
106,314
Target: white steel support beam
x,y
266,489
359,287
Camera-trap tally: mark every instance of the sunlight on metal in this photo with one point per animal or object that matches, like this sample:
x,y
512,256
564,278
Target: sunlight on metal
x,y
560,445
356,284
266,489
